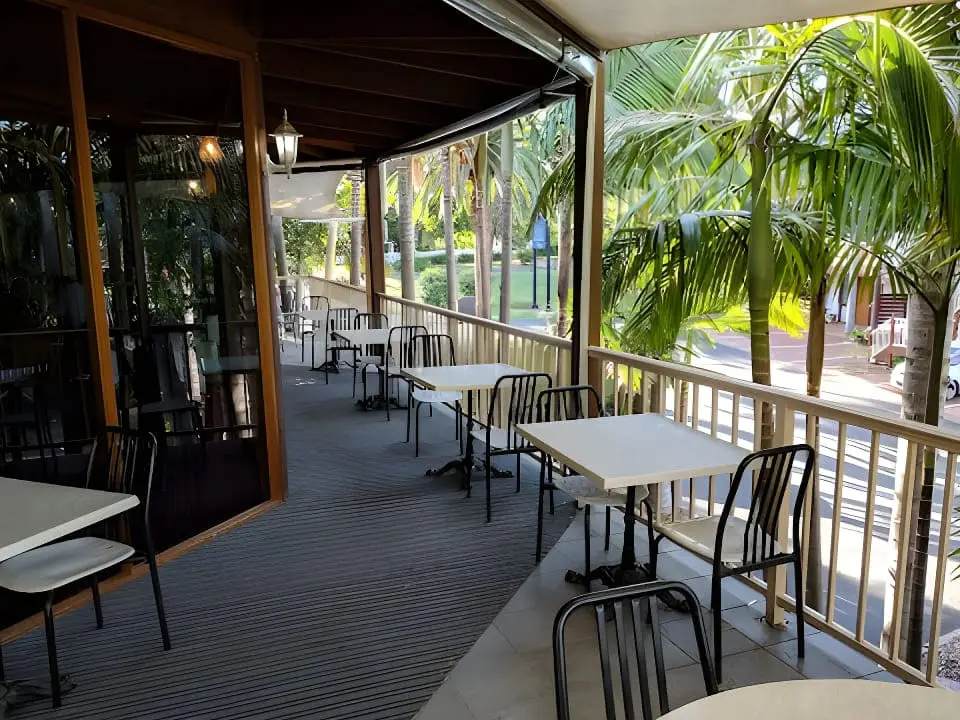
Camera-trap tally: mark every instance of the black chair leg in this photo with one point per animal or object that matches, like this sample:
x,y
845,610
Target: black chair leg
x,y
97,607
550,481
518,473
459,429
798,579
715,607
586,547
354,379
409,403
417,418
2,676
652,541
158,598
606,531
543,473
488,486
52,650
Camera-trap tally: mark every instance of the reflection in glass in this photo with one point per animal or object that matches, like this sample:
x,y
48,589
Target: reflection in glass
x,y
175,240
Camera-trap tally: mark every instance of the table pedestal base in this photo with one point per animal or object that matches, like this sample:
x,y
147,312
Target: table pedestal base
x,y
618,576
461,464
15,694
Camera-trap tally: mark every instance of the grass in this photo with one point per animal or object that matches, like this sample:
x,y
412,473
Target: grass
x,y
521,289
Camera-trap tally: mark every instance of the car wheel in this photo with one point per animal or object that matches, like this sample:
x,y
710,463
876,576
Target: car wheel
x,y
953,389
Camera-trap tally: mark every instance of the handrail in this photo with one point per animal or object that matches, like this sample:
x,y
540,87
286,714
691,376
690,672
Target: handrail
x,y
483,322
914,431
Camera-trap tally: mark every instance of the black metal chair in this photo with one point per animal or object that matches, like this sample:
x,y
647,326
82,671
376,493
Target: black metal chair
x,y
431,351
24,407
513,402
316,303
120,461
740,546
398,356
573,402
342,318
639,604
369,355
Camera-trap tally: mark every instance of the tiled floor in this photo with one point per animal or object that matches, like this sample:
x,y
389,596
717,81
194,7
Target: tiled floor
x,y
509,671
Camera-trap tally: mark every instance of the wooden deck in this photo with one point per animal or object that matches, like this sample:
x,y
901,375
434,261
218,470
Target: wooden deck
x,y
352,600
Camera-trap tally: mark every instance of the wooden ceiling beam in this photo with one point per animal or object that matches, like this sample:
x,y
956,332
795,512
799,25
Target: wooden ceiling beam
x,y
288,93
380,78
346,147
495,46
513,73
300,115
376,18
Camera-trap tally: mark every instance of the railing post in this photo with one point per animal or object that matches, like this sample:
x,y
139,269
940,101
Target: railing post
x,y
776,577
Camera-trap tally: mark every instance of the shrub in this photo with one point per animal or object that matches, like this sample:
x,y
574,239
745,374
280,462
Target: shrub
x,y
433,286
523,256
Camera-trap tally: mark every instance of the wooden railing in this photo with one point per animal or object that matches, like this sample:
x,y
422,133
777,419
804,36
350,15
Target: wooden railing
x,y
340,294
477,340
860,455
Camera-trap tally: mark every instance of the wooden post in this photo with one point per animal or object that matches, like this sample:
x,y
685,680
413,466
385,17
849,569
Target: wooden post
x,y
776,577
588,228
88,233
255,157
376,279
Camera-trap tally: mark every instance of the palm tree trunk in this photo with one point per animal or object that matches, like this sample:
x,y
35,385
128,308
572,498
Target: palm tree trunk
x,y
565,253
760,275
333,228
923,384
453,282
356,228
481,228
815,339
506,219
405,201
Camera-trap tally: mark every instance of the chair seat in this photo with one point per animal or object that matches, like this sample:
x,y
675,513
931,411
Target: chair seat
x,y
437,396
586,493
700,536
58,564
370,360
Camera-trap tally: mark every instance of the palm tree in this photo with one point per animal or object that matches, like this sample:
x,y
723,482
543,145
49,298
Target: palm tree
x,y
356,227
449,243
407,245
483,251
506,218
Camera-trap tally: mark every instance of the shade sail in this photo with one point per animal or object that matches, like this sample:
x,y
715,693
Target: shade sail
x,y
610,24
307,196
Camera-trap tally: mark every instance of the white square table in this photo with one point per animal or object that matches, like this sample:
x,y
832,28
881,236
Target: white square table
x,y
366,336
627,451
33,514
467,379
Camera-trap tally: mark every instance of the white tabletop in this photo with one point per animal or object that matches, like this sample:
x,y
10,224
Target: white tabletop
x,y
811,699
371,336
628,450
461,377
33,514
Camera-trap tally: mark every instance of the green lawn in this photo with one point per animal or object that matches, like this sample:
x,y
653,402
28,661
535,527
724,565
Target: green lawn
x,y
521,289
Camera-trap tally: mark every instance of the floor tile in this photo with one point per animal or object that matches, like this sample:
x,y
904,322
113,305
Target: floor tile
x,y
681,632
883,676
816,665
446,704
749,619
528,630
755,667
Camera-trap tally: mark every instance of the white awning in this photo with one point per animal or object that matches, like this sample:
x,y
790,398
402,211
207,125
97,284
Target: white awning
x,y
307,196
610,24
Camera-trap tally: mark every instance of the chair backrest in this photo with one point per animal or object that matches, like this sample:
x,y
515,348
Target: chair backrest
x,y
316,302
371,321
568,402
122,460
635,603
432,350
341,318
772,472
514,402
400,344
